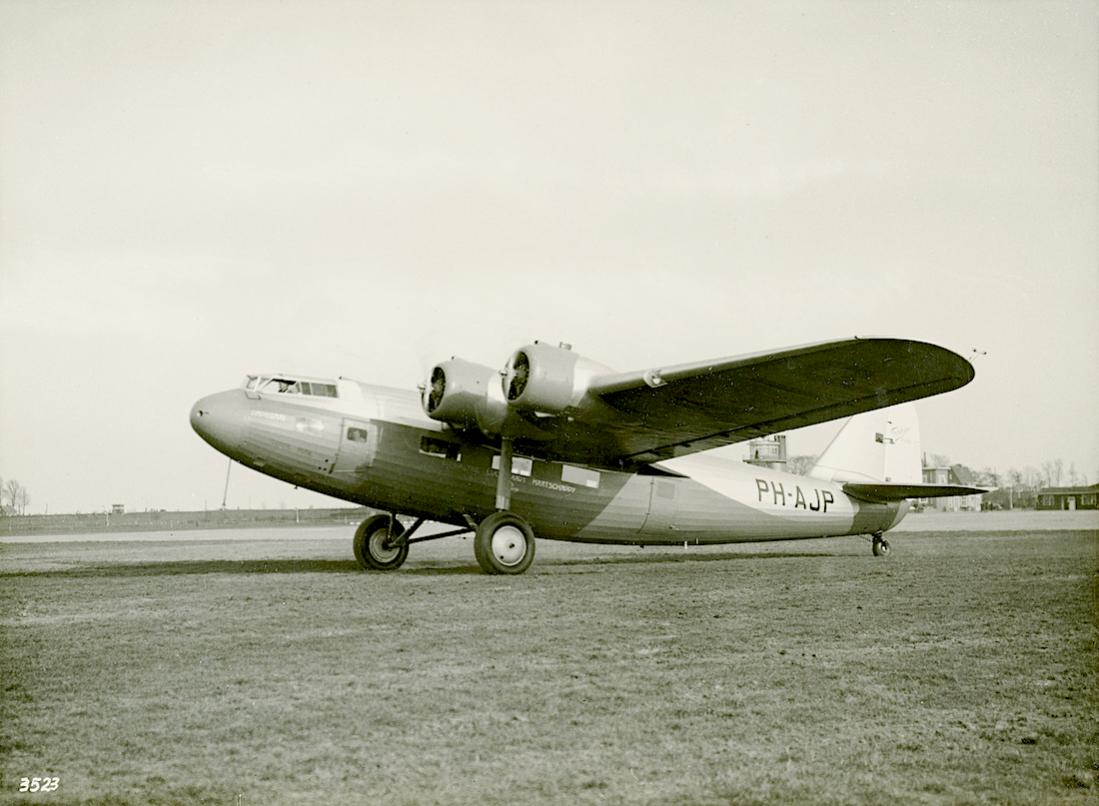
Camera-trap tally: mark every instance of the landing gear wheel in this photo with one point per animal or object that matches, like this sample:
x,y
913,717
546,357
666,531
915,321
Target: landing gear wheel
x,y
373,544
880,546
504,544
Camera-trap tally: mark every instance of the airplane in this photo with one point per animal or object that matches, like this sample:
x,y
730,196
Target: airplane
x,y
596,455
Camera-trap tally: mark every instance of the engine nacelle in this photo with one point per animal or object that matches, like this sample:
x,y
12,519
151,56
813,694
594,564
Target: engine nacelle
x,y
458,392
542,379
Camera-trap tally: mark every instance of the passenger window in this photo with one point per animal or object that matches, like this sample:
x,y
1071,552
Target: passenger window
x,y
356,434
520,465
441,448
581,476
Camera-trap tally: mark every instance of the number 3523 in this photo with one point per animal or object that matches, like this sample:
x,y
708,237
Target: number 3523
x,y
39,784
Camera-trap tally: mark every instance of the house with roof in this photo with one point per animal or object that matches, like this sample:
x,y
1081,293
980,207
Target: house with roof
x,y
951,474
1069,498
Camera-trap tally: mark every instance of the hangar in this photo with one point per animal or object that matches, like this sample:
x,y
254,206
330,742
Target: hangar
x,y
1070,498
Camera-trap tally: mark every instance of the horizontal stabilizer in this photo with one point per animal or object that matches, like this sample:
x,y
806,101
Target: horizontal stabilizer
x,y
898,492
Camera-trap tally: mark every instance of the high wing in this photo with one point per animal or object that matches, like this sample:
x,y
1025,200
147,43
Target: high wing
x,y
640,417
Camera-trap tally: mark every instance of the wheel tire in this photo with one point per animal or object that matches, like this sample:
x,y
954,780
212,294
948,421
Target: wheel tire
x,y
880,546
370,544
504,544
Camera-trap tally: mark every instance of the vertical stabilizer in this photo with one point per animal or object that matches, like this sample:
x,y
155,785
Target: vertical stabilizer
x,y
881,445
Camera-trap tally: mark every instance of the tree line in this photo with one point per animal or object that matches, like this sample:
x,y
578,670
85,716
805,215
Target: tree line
x,y
1014,487
14,498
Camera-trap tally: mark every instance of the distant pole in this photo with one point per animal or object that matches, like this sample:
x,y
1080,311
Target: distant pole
x,y
225,496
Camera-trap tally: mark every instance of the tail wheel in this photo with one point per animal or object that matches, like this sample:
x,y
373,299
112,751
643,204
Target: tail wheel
x,y
504,544
880,546
374,544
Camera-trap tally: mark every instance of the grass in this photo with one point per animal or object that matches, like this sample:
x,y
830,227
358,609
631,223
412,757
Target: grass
x,y
961,669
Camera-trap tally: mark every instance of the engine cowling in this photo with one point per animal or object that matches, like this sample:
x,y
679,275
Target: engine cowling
x,y
457,392
543,379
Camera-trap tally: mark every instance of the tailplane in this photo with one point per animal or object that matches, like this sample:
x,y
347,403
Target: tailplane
x,y
876,457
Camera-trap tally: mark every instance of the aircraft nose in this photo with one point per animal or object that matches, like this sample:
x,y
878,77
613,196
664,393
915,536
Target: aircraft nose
x,y
219,419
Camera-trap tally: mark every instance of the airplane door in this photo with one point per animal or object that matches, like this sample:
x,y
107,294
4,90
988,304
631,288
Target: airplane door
x,y
358,446
663,507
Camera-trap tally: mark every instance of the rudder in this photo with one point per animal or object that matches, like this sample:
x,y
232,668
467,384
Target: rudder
x,y
880,445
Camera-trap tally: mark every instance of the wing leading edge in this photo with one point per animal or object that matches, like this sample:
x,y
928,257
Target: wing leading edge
x,y
674,411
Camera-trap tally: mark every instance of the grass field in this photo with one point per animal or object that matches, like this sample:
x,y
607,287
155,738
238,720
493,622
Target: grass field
x,y
261,666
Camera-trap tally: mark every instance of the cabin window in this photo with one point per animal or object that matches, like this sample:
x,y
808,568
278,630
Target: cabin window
x,y
319,389
520,465
581,476
441,448
356,434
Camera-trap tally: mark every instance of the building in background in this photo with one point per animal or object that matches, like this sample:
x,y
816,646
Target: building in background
x,y
951,474
769,451
1069,498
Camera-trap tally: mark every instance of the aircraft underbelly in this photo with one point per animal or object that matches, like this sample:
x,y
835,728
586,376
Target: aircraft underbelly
x,y
604,505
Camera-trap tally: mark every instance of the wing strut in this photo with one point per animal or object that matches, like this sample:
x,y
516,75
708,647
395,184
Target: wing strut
x,y
503,480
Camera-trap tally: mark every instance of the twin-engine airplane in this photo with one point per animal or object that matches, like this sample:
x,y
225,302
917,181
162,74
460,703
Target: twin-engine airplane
x,y
596,455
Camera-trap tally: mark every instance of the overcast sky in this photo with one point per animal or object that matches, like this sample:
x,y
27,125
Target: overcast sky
x,y
192,191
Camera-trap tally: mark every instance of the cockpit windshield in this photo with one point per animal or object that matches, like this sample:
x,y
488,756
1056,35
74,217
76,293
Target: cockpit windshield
x,y
286,385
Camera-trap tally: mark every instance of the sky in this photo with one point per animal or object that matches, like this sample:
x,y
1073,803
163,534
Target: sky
x,y
192,191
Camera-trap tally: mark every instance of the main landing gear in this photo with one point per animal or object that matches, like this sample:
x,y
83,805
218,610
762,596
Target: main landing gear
x,y
879,545
503,543
378,544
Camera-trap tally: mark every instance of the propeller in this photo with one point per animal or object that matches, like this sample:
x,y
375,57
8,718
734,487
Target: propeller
x,y
438,389
517,375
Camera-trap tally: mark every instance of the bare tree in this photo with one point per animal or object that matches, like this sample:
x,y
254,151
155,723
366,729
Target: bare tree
x,y
10,492
24,499
800,465
987,477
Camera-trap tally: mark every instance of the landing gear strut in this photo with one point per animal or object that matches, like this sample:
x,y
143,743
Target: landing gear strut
x,y
880,546
381,542
504,543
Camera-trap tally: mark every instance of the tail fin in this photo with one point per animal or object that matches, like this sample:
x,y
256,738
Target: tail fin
x,y
880,445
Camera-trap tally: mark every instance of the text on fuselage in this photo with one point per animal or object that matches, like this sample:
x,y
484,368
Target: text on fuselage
x,y
779,496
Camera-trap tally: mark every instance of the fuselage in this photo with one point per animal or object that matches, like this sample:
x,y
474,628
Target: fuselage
x,y
373,445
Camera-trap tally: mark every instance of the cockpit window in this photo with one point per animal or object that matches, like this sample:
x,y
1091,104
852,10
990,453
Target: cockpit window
x,y
289,386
